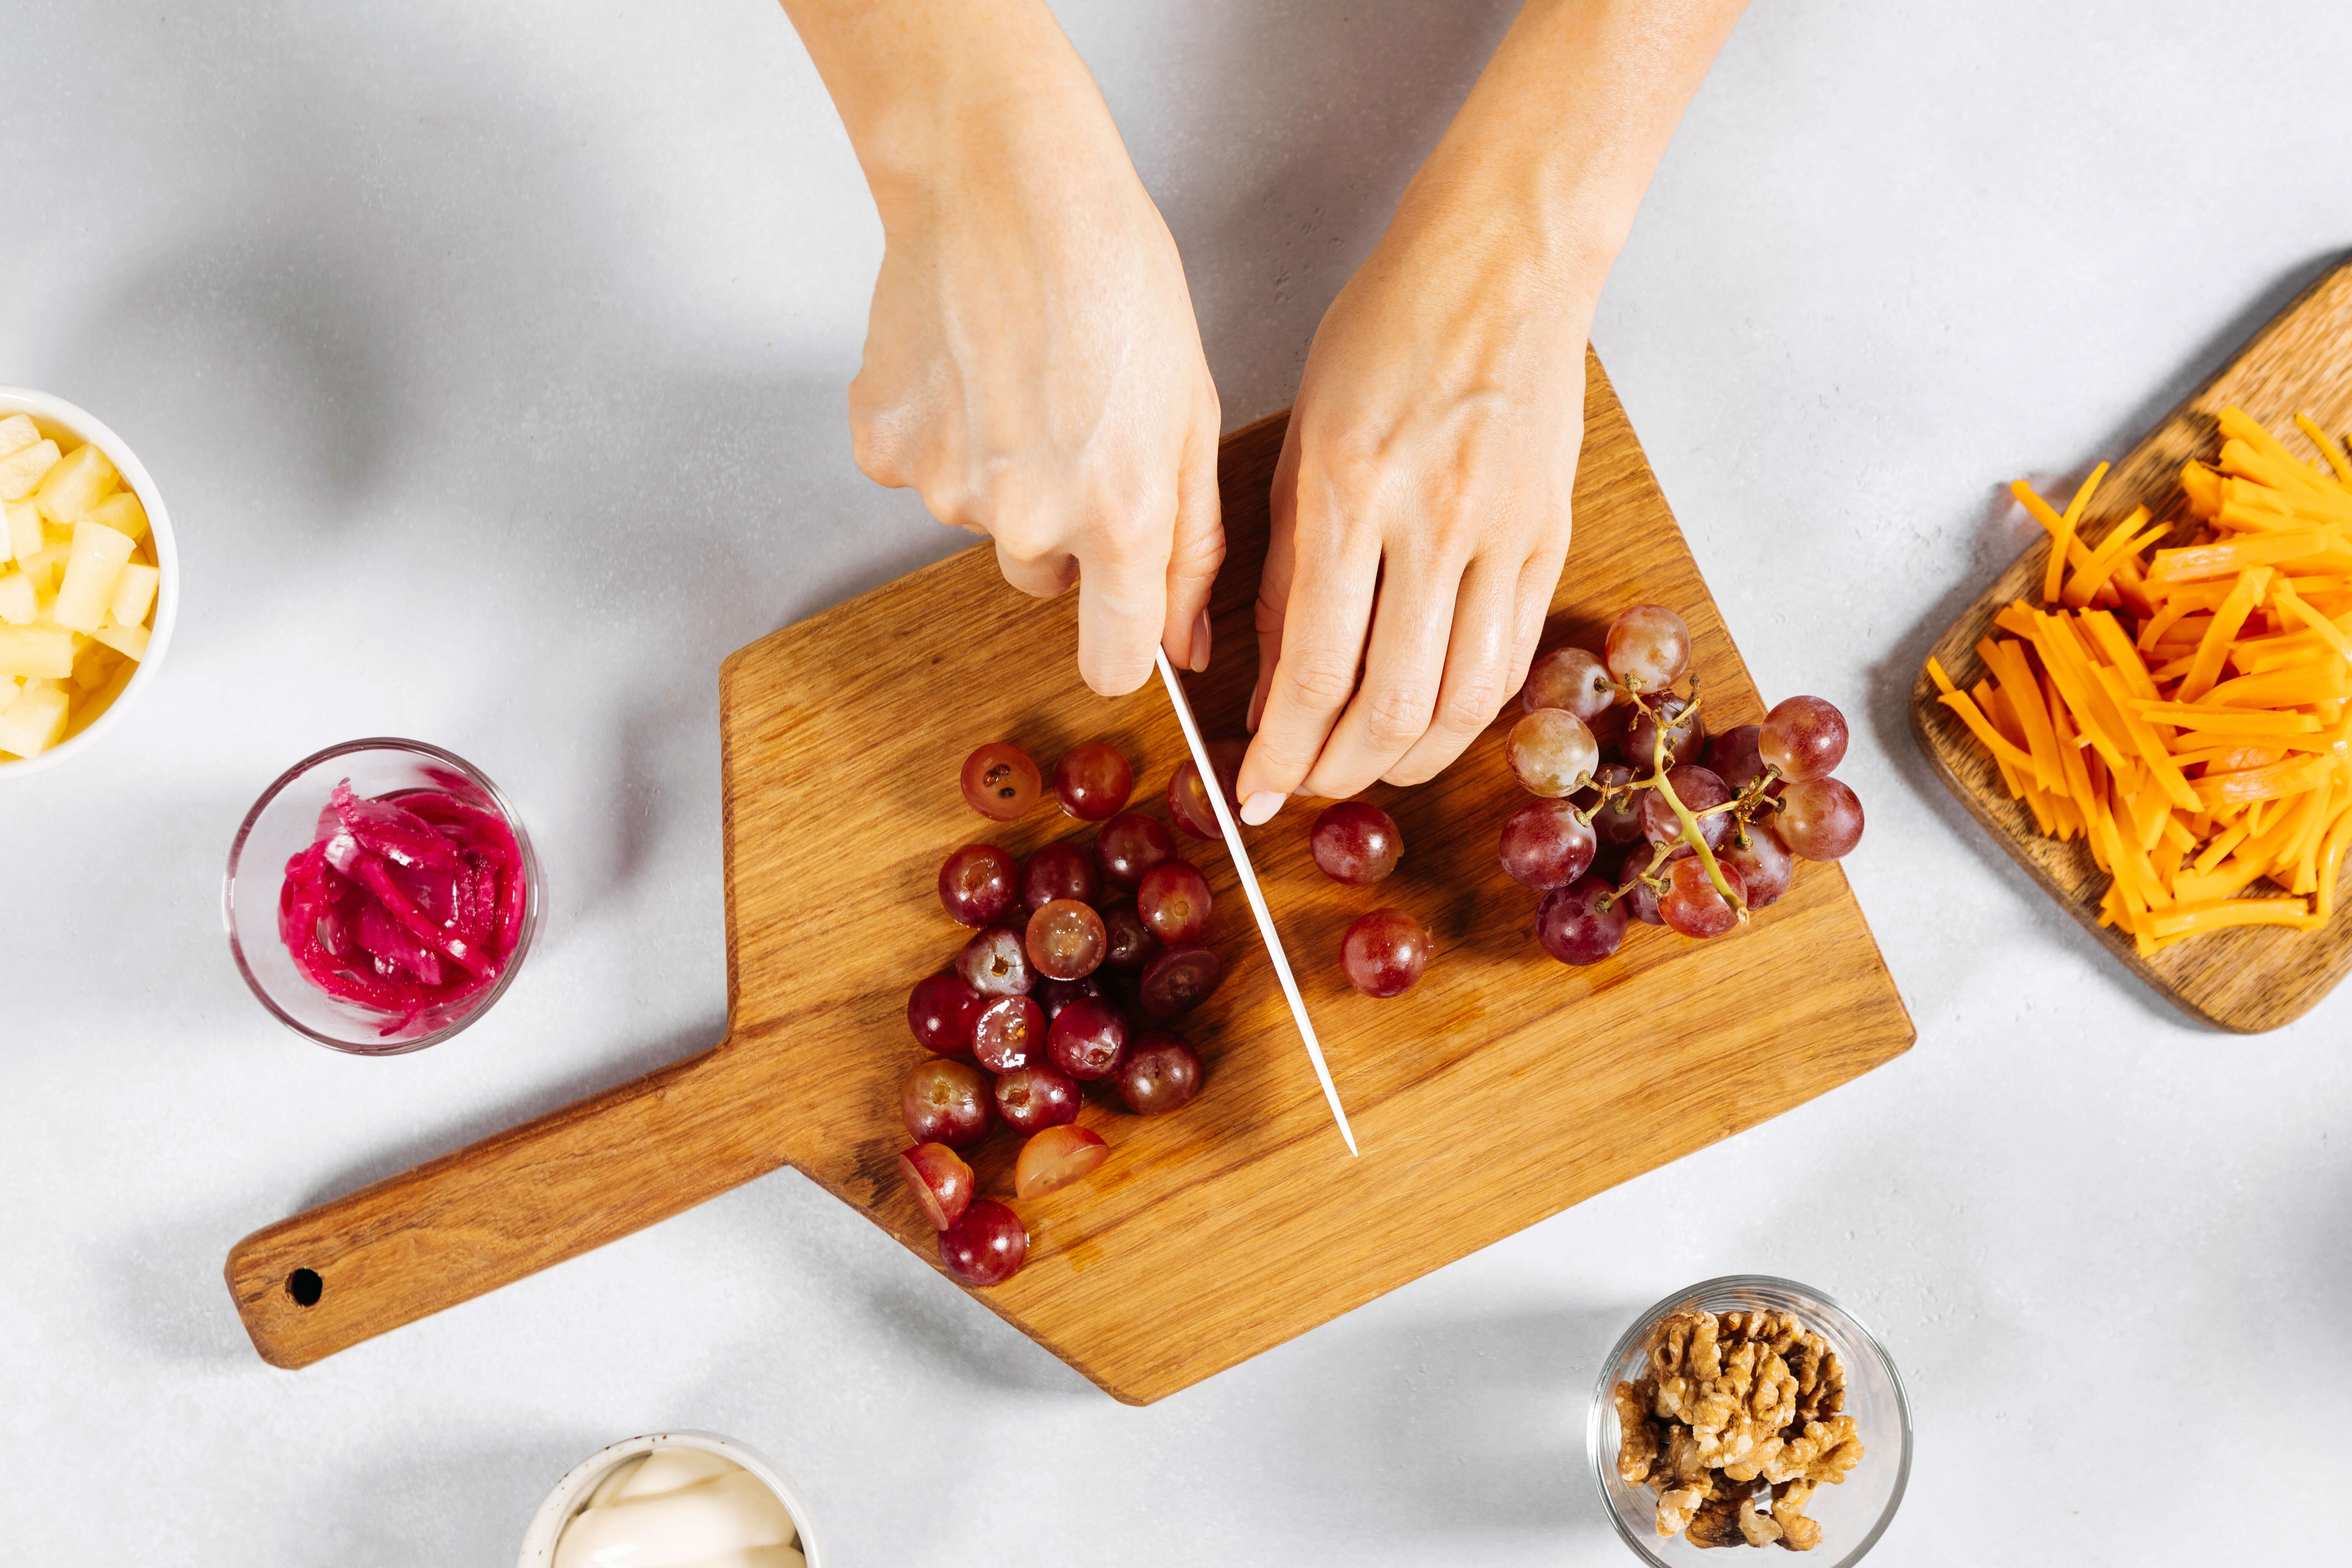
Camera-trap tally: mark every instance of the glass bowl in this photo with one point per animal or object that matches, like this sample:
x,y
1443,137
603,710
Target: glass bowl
x,y
571,1493
283,823
1852,1514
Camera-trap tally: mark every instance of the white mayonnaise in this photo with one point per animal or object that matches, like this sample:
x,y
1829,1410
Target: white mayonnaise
x,y
679,1507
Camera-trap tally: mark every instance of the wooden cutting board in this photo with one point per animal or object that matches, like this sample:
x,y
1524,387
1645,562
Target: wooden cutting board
x,y
1501,1090
2245,980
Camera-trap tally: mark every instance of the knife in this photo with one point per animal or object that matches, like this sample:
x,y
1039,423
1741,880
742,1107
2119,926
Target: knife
x,y
1250,889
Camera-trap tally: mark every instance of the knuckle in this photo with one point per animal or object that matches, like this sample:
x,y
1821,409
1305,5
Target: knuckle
x,y
1319,678
1396,715
1471,704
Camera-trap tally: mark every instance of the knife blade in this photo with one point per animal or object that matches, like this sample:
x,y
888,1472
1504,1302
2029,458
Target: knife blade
x,y
1255,895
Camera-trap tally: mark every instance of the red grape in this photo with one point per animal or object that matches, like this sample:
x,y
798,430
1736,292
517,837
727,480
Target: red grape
x,y
1356,842
1178,979
1059,871
978,883
1570,678
1130,845
1617,824
945,1103
1734,757
1087,1040
1804,737
1188,801
1385,952
1699,789
1056,1157
1575,926
1545,844
1092,780
1067,940
1054,995
987,1245
1161,1073
994,964
1691,904
1820,819
1685,732
1765,865
1648,646
1036,1097
940,1179
1000,780
1174,901
1553,752
1009,1033
1130,943
942,1012
1635,896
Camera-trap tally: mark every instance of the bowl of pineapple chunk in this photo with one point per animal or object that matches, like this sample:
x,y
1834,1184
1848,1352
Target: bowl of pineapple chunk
x,y
90,581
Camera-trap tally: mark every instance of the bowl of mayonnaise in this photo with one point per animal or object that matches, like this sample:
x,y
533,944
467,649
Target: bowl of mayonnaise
x,y
673,1500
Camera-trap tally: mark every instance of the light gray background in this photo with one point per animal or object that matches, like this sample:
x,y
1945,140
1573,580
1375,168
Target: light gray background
x,y
491,360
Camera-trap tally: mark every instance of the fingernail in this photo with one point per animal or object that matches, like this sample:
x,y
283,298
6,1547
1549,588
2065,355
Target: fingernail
x,y
1260,807
1201,641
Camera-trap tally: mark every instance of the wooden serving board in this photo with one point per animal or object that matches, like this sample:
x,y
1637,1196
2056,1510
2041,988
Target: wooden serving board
x,y
2249,979
1501,1090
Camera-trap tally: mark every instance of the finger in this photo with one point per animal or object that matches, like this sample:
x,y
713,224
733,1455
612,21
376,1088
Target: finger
x,y
1404,667
1274,576
1043,576
1479,657
1198,549
1539,582
1123,595
1321,642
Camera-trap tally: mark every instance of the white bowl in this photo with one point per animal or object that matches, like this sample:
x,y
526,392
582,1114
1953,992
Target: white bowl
x,y
572,1492
59,420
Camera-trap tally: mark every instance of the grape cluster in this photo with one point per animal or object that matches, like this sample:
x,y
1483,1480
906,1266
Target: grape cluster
x,y
1079,959
1644,830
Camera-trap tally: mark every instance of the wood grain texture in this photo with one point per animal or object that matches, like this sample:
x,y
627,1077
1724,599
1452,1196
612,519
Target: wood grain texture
x,y
2246,980
1500,1090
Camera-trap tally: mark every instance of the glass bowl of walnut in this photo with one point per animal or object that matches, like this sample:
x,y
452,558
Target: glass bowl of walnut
x,y
1749,1411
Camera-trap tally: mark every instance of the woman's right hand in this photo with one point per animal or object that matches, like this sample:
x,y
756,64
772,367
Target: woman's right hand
x,y
1033,367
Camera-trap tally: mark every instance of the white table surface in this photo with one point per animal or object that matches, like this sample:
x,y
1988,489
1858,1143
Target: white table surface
x,y
491,360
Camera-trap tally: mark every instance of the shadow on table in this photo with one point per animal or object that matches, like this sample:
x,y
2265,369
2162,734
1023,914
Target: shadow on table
x,y
450,1506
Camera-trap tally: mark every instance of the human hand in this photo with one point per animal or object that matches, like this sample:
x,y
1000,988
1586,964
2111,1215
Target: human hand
x,y
1033,367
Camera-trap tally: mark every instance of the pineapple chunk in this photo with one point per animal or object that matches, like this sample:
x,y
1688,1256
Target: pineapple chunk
x,y
37,652
18,603
97,557
34,723
122,513
16,433
86,712
95,661
24,528
45,565
20,471
82,478
130,641
134,594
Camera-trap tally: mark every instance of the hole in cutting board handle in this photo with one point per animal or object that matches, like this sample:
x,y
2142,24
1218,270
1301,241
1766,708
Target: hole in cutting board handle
x,y
305,1286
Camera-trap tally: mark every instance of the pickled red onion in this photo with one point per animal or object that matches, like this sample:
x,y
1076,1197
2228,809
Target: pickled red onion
x,y
407,904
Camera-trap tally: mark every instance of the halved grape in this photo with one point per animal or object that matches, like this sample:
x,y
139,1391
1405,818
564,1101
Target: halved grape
x,y
1355,842
1060,870
1385,952
1570,677
1545,844
1820,819
1174,901
1067,940
987,1245
978,883
940,1179
1575,926
1188,801
1036,1097
1010,1033
1691,904
1178,979
1648,646
994,964
1553,752
1617,824
1087,1040
1130,845
1735,759
1054,995
1765,865
1056,1157
1092,780
1000,780
941,1013
1161,1073
1686,731
1129,943
1699,789
945,1102
1804,737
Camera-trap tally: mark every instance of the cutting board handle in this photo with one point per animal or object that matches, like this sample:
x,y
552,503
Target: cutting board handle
x,y
489,1213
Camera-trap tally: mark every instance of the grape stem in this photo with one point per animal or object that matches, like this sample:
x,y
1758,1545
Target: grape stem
x,y
1691,836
